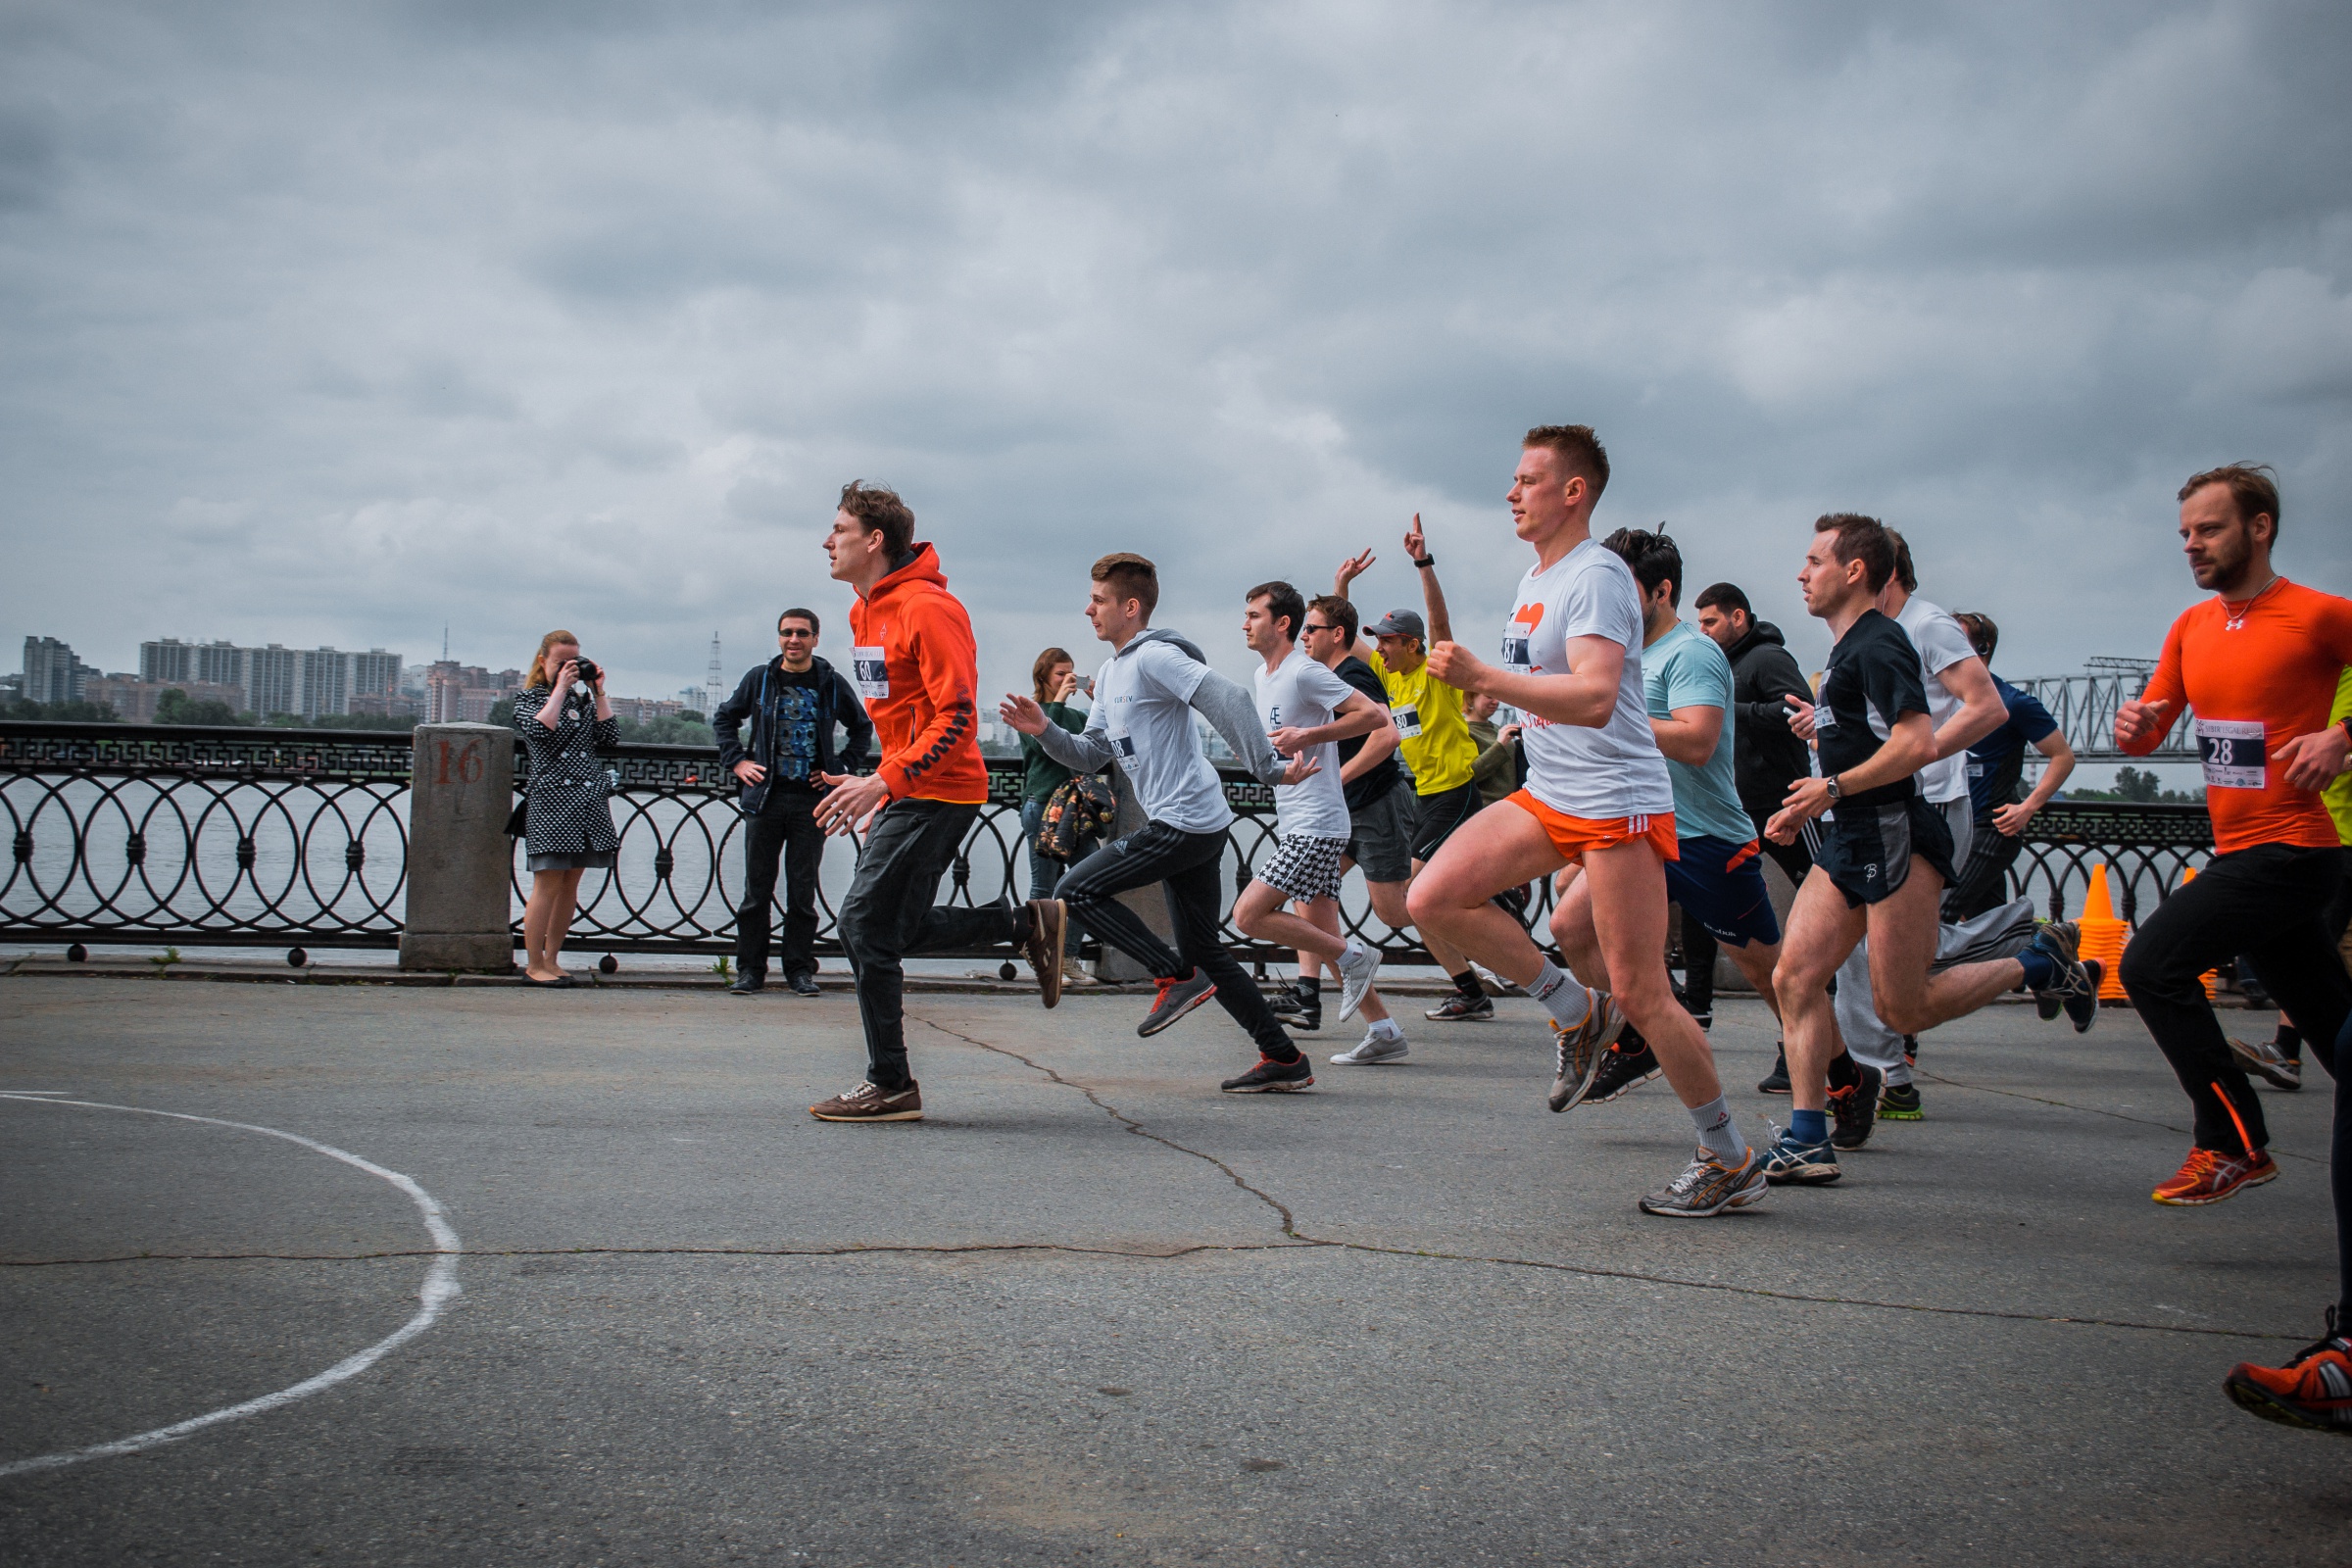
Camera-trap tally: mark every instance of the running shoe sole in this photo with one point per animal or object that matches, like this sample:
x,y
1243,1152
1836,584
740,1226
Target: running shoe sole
x,y
1052,926
2255,1399
2264,1067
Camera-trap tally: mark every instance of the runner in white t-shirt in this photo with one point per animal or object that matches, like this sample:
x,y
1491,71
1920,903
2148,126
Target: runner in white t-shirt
x,y
1307,712
1597,793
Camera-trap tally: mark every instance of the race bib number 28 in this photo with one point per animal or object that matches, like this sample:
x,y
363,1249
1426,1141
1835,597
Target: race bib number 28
x,y
872,673
2231,751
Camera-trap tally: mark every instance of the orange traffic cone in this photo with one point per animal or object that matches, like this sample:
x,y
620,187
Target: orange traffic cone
x,y
2211,977
2104,935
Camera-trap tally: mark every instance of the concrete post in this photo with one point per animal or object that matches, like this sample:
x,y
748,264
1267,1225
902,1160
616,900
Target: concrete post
x,y
1150,904
460,790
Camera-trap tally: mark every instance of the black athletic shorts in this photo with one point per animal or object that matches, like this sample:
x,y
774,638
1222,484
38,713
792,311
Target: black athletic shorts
x,y
1440,814
1867,849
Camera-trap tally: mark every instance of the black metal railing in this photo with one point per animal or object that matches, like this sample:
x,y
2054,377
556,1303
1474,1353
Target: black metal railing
x,y
154,835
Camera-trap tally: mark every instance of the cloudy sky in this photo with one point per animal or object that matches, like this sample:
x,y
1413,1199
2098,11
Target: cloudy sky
x,y
330,325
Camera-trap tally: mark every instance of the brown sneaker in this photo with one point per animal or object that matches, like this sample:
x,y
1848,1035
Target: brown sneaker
x,y
866,1102
1049,923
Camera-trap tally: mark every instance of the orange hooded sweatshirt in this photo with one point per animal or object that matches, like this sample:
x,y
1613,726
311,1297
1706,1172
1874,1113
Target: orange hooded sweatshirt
x,y
917,669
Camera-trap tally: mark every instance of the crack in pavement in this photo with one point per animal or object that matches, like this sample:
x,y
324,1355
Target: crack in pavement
x,y
1299,1237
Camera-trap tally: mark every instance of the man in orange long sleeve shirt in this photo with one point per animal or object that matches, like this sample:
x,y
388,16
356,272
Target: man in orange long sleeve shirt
x,y
915,668
2258,663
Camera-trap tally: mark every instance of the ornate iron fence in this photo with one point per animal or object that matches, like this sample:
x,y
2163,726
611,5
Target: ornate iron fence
x,y
148,835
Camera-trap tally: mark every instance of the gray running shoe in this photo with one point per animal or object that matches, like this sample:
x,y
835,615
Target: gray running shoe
x,y
2264,1060
1357,965
1580,1050
1176,998
1707,1186
1373,1048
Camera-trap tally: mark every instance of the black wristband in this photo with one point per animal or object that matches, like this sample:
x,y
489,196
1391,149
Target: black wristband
x,y
1426,562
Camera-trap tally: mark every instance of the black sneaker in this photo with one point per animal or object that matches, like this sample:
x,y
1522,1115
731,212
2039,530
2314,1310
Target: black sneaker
x,y
1621,1071
1458,1008
1776,1081
1900,1102
1299,1007
1271,1077
2076,985
1911,1050
1176,998
1855,1107
746,983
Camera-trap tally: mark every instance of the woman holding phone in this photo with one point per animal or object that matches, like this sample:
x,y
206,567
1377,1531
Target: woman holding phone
x,y
566,721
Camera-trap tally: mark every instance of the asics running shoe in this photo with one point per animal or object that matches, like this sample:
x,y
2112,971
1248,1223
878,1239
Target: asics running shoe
x,y
1790,1160
1176,998
1776,1081
1707,1186
1854,1108
2075,985
2314,1391
2264,1060
2208,1176
1579,1050
1458,1008
1900,1102
1271,1077
1624,1067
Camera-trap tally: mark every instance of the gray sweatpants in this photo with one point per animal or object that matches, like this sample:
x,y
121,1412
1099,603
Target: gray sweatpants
x,y
1998,933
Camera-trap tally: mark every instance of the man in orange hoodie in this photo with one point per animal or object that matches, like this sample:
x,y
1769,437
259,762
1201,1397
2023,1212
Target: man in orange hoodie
x,y
914,666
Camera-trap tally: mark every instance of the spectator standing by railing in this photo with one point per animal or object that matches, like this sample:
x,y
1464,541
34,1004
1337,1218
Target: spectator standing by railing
x,y
1054,680
794,702
566,723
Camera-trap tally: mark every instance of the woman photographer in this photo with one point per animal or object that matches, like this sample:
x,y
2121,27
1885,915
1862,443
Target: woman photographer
x,y
565,720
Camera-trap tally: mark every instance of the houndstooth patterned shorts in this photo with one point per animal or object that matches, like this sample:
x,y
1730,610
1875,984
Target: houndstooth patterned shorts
x,y
1305,867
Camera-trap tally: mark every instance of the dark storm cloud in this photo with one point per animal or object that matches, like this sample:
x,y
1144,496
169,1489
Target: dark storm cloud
x,y
331,324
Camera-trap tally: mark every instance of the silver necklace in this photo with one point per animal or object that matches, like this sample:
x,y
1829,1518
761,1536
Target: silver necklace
x,y
2237,620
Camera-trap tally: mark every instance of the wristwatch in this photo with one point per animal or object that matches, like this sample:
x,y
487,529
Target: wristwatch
x,y
1834,792
1426,562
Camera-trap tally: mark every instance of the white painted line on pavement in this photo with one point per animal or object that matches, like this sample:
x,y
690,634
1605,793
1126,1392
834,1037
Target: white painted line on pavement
x,y
439,1289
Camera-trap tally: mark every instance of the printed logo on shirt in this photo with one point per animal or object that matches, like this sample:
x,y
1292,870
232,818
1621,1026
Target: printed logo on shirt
x,y
2232,752
1515,637
1408,720
872,673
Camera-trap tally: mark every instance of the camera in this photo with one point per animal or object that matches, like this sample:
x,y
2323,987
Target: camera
x,y
587,671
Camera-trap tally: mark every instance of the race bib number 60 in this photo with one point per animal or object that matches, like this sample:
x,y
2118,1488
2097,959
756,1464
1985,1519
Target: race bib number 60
x,y
872,673
2231,750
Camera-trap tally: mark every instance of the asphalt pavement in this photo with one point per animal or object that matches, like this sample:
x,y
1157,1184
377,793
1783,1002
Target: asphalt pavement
x,y
1093,1310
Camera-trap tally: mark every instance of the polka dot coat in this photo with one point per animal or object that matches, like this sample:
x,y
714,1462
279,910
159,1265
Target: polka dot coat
x,y
568,813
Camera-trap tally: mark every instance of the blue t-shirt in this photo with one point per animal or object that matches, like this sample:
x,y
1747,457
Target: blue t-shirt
x,y
1685,669
1997,761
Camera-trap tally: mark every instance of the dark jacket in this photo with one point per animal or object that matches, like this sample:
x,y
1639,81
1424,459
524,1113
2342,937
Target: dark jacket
x,y
836,704
567,813
1766,755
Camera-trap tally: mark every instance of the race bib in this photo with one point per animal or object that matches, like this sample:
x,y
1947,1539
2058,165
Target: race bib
x,y
1123,744
2231,750
1408,720
872,672
1515,655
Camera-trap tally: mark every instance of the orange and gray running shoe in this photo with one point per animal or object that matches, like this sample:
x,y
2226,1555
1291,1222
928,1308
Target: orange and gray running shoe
x,y
2314,1391
1580,1050
2208,1176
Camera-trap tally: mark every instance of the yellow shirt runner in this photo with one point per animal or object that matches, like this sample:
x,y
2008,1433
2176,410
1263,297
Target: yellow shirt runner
x,y
1432,732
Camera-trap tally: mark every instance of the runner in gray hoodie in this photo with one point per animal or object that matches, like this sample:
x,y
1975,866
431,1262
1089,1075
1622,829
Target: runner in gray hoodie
x,y
1144,699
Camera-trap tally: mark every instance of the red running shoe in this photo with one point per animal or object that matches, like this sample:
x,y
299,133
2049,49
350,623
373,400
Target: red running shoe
x,y
2208,1176
2314,1391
